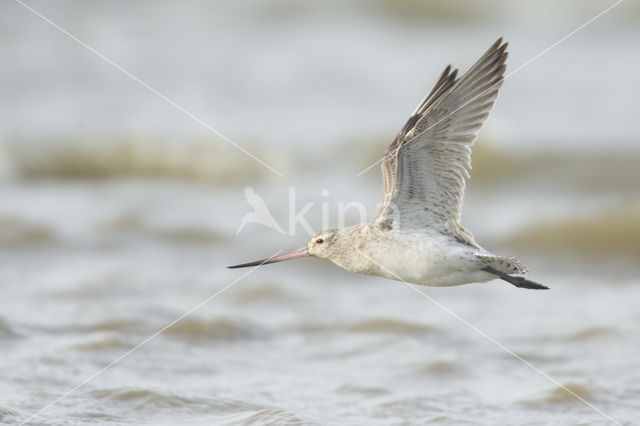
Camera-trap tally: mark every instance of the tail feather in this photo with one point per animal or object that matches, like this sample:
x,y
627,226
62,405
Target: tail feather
x,y
521,282
505,264
505,267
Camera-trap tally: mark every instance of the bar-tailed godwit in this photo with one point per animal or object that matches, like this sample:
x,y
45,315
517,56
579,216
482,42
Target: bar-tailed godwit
x,y
417,236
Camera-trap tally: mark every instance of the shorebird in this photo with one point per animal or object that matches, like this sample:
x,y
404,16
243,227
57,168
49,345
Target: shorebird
x,y
417,236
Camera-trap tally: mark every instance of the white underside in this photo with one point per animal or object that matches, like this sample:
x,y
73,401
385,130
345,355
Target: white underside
x,y
433,260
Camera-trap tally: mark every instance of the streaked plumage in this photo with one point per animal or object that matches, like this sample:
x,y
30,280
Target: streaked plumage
x,y
417,236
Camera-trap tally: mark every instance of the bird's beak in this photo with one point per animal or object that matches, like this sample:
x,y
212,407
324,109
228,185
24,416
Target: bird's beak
x,y
301,252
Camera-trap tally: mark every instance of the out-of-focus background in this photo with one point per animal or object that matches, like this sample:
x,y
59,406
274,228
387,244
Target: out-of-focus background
x,y
119,212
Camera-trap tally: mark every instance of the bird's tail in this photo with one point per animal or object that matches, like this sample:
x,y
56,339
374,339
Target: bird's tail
x,y
505,267
505,264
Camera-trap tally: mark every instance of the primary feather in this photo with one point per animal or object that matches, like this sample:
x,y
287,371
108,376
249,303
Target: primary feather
x,y
425,168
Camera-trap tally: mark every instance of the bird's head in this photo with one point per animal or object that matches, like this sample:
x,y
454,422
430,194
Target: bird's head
x,y
322,244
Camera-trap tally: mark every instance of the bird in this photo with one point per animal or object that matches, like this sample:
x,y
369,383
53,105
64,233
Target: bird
x,y
417,236
260,213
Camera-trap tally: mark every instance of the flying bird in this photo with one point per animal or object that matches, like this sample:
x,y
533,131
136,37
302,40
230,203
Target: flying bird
x,y
417,236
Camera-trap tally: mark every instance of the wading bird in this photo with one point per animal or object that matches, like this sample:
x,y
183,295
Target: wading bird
x,y
417,236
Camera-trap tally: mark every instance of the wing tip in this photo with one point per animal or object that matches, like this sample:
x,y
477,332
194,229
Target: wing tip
x,y
499,47
499,43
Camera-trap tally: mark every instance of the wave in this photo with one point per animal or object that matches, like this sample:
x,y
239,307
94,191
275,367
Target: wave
x,y
132,223
589,171
6,331
266,416
216,328
367,391
150,404
584,334
436,10
215,162
149,399
149,158
102,343
391,326
439,367
561,395
112,325
406,11
610,232
262,293
592,333
565,393
132,394
7,414
18,232
388,326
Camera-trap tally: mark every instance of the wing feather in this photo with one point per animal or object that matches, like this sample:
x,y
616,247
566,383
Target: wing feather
x,y
425,167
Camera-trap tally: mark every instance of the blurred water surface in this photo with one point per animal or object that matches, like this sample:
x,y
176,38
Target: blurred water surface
x,y
119,213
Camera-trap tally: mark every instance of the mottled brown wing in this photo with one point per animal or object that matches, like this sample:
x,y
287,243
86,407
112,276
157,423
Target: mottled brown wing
x,y
425,168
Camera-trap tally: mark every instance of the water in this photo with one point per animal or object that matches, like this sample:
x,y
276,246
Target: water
x,y
119,214
97,267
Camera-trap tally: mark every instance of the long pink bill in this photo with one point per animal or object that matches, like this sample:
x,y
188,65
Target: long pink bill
x,y
301,252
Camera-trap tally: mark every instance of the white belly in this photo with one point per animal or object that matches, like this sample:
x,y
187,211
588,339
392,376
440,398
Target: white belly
x,y
419,260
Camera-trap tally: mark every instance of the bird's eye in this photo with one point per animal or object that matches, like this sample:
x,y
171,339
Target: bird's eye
x,y
319,241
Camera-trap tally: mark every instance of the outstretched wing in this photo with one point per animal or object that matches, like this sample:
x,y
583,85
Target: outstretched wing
x,y
425,167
